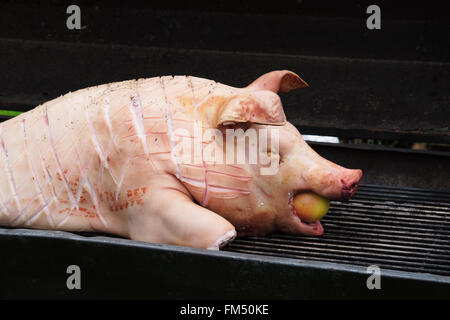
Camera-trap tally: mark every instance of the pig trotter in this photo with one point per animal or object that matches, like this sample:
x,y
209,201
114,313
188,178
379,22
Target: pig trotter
x,y
224,240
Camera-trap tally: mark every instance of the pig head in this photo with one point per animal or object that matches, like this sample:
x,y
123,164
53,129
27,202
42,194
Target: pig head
x,y
257,197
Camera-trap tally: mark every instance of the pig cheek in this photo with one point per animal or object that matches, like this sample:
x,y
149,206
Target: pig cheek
x,y
272,207
273,193
250,215
289,136
266,189
260,221
288,177
294,174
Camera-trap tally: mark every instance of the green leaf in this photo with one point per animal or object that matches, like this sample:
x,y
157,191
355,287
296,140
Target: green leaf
x,y
9,113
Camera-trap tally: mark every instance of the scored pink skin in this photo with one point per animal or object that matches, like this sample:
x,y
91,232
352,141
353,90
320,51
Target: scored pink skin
x,y
105,159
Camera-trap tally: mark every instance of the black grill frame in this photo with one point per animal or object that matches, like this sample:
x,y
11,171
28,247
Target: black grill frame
x,y
121,268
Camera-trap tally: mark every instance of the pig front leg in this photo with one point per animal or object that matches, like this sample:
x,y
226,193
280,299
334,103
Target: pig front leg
x,y
168,215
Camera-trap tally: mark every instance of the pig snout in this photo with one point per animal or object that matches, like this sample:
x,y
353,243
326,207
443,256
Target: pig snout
x,y
311,172
349,183
331,181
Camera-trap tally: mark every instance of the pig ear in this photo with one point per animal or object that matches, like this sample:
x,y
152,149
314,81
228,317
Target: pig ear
x,y
279,81
262,107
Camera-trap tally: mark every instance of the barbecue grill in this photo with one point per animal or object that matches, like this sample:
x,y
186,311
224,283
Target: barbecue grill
x,y
361,87
394,228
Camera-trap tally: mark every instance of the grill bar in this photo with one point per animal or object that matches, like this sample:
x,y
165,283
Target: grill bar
x,y
388,234
400,212
390,189
361,237
396,228
440,259
410,195
384,263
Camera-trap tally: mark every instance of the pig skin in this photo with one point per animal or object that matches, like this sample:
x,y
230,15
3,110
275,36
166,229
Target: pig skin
x,y
100,159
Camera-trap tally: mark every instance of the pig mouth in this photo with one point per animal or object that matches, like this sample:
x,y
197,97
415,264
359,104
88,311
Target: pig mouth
x,y
307,228
348,190
315,228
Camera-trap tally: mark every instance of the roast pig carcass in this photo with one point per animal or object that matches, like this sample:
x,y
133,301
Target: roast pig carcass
x,y
176,160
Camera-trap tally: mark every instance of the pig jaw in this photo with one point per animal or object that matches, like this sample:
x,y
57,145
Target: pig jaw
x,y
303,170
335,183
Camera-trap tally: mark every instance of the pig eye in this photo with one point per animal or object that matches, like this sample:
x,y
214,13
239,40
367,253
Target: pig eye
x,y
280,159
271,157
228,124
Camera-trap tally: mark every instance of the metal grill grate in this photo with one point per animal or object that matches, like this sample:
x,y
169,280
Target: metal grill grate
x,y
395,228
